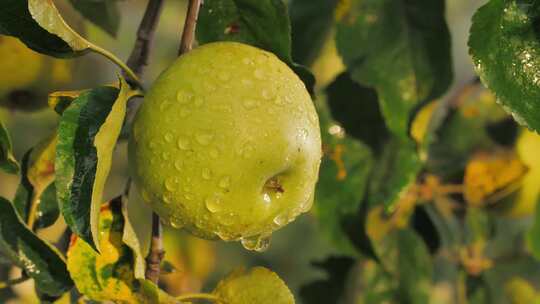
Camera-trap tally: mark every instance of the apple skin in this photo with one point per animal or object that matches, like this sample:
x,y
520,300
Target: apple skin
x,y
227,144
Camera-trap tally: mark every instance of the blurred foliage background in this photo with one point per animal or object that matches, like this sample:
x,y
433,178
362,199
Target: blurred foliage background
x,y
200,264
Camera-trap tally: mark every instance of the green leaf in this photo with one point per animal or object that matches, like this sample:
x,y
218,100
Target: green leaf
x,y
38,259
137,235
256,285
8,163
261,23
311,22
88,131
343,180
332,288
402,49
505,48
16,20
395,171
104,14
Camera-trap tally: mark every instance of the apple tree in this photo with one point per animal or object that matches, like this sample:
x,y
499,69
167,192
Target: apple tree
x,y
343,111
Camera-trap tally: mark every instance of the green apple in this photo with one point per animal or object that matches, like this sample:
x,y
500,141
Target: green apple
x,y
227,144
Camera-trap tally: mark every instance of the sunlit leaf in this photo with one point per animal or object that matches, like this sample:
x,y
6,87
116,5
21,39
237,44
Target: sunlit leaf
x,y
505,49
256,285
88,131
261,23
401,48
38,259
8,163
109,276
137,232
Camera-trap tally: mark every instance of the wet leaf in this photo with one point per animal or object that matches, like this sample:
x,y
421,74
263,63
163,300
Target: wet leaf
x,y
400,48
88,131
8,163
104,14
38,259
256,285
261,23
505,49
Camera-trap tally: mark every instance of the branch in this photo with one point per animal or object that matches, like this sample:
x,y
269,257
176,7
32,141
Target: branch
x,y
153,260
140,55
12,282
137,61
188,35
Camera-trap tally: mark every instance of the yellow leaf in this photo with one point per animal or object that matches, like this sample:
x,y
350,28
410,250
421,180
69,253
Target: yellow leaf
x,y
490,175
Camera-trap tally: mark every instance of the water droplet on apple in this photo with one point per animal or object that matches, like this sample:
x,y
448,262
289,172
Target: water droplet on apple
x,y
227,219
214,153
184,113
247,61
259,74
188,196
213,203
266,94
168,137
166,199
204,139
249,104
178,164
176,222
183,143
281,220
224,182
207,174
183,96
257,243
165,155
170,184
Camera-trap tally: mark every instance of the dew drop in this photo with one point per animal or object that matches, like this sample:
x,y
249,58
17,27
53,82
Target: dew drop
x,y
227,219
165,155
183,97
207,174
256,243
267,198
281,220
176,223
183,143
259,74
170,184
213,203
166,199
250,104
247,61
188,196
214,153
266,94
168,137
204,138
178,164
224,182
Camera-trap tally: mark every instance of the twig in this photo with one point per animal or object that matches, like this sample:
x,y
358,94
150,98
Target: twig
x,y
12,282
199,296
153,260
137,61
188,35
140,55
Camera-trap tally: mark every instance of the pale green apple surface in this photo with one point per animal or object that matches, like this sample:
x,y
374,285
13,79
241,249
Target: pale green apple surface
x,y
227,144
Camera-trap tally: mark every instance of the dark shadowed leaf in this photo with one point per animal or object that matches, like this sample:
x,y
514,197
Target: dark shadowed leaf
x,y
401,48
39,260
356,108
332,288
104,14
505,46
311,21
8,163
261,23
88,131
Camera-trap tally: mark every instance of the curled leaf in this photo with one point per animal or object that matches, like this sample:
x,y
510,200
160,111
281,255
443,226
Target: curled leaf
x,y
8,163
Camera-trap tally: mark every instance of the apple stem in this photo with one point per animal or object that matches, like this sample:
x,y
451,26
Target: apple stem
x,y
188,34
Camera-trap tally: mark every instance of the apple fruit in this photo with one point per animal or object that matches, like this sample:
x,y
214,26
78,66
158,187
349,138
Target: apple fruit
x,y
227,144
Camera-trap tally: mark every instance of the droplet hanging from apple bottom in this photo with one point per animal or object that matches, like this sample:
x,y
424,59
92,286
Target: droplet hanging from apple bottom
x,y
259,243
